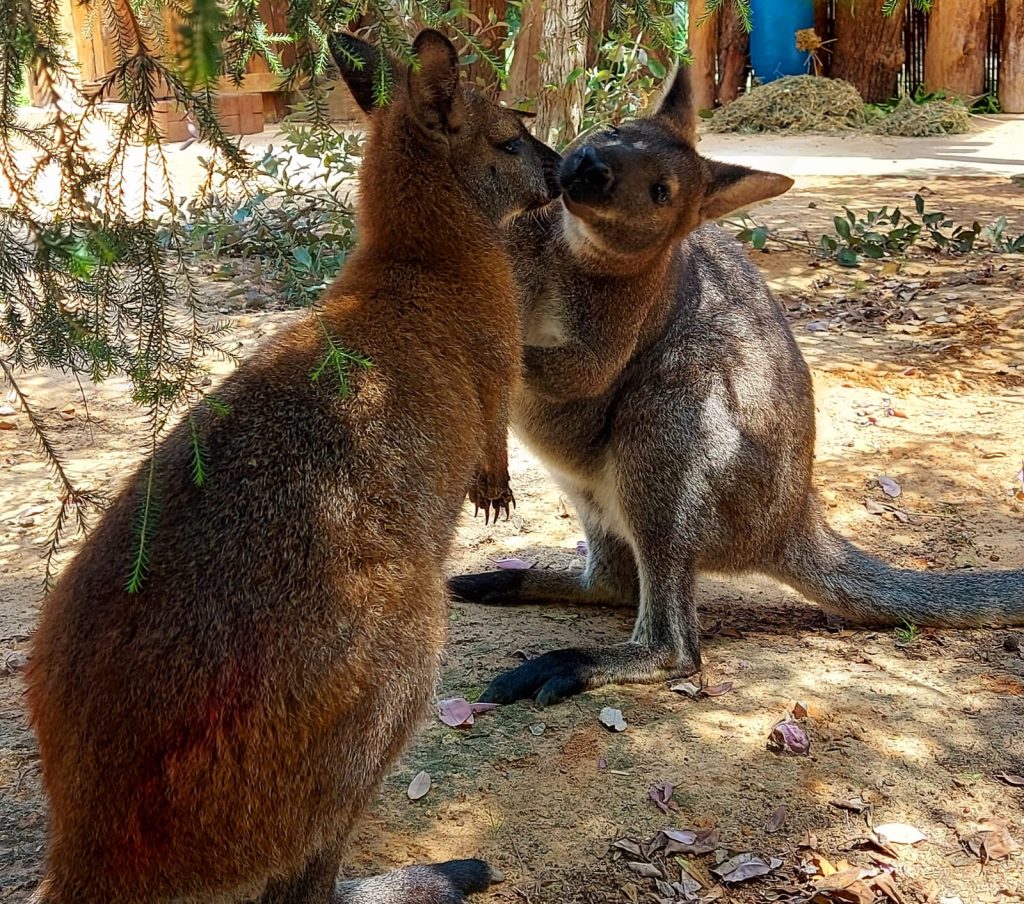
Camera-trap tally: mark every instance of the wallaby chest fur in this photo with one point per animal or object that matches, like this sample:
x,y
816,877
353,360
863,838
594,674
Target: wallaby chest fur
x,y
213,736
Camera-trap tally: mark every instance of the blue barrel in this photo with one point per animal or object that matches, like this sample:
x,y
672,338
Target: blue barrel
x,y
773,52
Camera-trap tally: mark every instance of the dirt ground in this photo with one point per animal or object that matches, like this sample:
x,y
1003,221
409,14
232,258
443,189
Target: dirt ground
x,y
919,373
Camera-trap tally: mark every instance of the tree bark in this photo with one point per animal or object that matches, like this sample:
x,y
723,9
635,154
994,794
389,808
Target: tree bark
x,y
1011,59
733,47
868,51
480,72
561,95
954,58
703,40
524,73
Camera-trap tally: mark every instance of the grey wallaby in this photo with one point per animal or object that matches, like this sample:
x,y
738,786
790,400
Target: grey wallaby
x,y
212,737
667,396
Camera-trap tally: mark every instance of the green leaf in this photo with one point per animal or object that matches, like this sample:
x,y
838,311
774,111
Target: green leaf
x,y
847,257
657,69
759,237
302,255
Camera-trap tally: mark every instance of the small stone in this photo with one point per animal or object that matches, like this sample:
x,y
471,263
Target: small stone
x,y
1011,643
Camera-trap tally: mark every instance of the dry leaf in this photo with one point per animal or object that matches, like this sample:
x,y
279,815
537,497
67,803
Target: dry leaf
x,y
799,710
661,794
1016,780
776,820
993,842
647,870
581,548
690,842
629,846
686,687
890,487
8,425
512,563
899,833
537,729
873,507
419,786
716,690
788,736
744,867
612,718
457,712
68,413
15,662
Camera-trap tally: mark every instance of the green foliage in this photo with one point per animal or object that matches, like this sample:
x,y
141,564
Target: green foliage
x,y
907,635
338,362
291,212
889,233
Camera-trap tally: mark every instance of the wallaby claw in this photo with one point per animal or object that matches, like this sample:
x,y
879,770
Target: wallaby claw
x,y
492,496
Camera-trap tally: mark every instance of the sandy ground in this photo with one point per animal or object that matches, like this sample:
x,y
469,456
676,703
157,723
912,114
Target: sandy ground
x,y
918,725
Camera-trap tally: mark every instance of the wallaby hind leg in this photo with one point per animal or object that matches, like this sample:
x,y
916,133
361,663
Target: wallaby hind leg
x,y
314,885
442,883
609,578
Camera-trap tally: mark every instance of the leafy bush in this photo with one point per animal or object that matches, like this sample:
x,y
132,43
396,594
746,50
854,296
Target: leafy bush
x,y
293,213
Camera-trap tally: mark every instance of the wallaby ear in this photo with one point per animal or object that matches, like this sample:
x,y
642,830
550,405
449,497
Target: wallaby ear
x,y
434,83
360,64
733,187
675,108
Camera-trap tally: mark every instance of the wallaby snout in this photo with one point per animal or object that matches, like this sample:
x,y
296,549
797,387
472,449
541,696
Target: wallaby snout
x,y
585,177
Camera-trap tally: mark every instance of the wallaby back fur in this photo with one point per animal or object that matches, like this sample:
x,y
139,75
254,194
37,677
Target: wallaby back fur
x,y
665,392
214,736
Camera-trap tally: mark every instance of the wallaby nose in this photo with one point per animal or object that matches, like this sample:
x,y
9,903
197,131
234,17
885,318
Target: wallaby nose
x,y
585,177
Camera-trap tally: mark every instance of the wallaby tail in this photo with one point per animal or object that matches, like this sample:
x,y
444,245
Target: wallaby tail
x,y
847,582
442,883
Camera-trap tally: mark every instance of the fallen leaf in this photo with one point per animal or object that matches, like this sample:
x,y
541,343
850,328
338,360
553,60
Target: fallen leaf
x,y
900,833
1016,780
581,548
716,690
514,564
799,710
686,687
744,867
890,487
457,712
776,820
537,729
993,842
419,786
629,846
689,689
854,804
884,883
647,870
8,425
661,794
15,662
690,842
68,413
6,411
612,718
788,736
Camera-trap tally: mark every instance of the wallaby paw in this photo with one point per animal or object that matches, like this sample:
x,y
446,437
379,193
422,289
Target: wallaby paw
x,y
549,679
489,587
491,493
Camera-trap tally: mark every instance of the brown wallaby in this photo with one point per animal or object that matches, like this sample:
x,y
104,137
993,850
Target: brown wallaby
x,y
213,736
666,394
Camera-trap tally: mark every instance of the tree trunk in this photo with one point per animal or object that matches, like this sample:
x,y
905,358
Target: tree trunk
x,y
524,73
733,48
954,58
868,51
492,36
561,96
703,40
1011,59
600,23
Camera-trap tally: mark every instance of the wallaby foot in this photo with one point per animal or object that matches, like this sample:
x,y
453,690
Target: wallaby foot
x,y
561,674
441,883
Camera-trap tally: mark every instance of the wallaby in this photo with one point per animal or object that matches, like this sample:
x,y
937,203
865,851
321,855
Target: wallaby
x,y
667,396
213,736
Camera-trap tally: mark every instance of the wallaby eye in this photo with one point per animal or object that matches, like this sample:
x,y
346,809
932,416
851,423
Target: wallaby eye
x,y
659,193
513,147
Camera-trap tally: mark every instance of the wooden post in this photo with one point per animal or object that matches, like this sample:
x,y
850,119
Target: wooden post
x,y
703,40
954,58
524,73
1011,59
733,47
868,51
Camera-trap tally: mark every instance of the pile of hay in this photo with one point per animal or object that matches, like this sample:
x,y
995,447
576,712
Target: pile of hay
x,y
796,103
933,117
